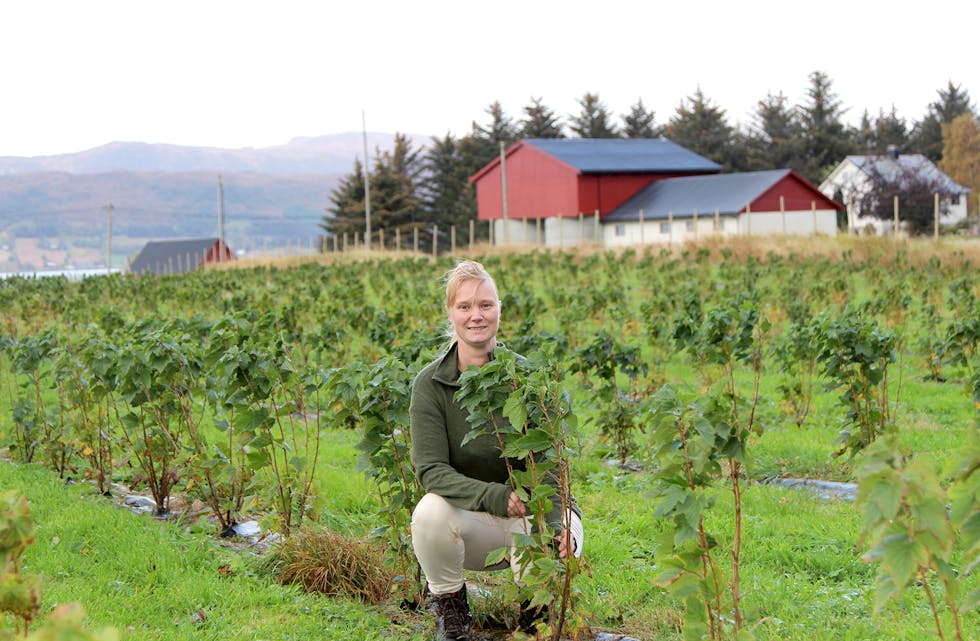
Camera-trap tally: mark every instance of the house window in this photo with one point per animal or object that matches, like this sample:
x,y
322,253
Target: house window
x,y
664,228
954,199
620,230
689,225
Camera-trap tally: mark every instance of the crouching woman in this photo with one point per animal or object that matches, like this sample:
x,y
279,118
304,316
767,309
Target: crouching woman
x,y
469,508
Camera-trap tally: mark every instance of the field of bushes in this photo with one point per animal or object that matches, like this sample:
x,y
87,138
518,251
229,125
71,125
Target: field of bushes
x,y
669,390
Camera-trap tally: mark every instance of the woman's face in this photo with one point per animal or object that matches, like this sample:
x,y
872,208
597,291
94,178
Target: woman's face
x,y
475,314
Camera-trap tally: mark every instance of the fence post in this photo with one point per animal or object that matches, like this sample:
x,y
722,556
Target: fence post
x,y
695,224
670,227
435,241
717,221
748,218
381,239
642,229
581,228
472,231
935,223
398,239
813,209
490,224
537,230
415,238
782,212
595,228
452,240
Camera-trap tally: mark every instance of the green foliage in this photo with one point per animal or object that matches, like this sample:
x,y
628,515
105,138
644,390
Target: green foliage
x,y
595,119
383,396
600,361
702,127
690,437
639,122
912,534
826,139
855,353
525,407
540,121
795,352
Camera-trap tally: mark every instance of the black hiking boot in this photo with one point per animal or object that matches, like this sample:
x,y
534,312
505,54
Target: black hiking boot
x,y
529,617
454,615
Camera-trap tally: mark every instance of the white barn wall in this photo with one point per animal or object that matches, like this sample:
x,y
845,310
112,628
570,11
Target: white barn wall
x,y
651,231
803,223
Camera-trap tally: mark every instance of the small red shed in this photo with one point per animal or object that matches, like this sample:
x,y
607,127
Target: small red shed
x,y
561,177
179,256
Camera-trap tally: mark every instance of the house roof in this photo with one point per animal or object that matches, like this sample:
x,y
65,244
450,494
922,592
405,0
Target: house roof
x,y
172,256
891,167
727,193
609,155
614,155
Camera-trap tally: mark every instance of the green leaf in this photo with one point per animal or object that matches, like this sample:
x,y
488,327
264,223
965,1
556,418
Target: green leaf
x,y
496,556
515,411
902,557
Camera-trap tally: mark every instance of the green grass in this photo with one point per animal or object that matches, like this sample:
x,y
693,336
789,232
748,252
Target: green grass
x,y
152,580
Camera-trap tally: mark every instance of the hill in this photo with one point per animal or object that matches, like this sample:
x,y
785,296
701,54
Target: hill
x,y
53,208
329,154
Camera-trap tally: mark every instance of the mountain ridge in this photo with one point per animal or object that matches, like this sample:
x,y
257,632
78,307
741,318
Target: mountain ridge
x,y
325,154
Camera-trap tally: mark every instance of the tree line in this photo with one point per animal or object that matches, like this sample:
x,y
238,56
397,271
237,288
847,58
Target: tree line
x,y
421,187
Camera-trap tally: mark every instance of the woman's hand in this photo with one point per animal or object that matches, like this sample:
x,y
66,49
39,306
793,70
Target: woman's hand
x,y
562,548
515,506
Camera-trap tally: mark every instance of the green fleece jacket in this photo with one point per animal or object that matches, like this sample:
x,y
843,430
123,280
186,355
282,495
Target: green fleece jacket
x,y
471,477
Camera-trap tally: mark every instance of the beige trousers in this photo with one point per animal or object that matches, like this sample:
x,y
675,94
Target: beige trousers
x,y
448,540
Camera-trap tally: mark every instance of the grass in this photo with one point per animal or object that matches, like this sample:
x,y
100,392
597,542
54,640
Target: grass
x,y
802,574
154,580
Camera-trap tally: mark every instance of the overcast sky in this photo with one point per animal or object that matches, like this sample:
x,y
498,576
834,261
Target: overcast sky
x,y
79,74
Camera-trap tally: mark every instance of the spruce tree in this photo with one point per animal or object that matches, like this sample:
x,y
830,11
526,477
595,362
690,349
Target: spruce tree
x,y
639,123
540,122
595,119
395,198
881,134
774,139
346,209
927,135
703,128
447,196
826,140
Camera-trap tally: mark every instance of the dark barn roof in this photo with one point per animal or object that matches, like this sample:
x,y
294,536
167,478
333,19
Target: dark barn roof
x,y
173,256
727,193
614,155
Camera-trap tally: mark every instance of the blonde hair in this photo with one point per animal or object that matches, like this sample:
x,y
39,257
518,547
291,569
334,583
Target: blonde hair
x,y
463,271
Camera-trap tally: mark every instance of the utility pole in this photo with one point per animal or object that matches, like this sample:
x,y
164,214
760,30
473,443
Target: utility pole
x,y
221,218
108,238
503,192
367,187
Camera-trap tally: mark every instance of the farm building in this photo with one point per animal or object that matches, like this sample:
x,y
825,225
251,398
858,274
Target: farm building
x,y
751,203
852,179
179,256
626,191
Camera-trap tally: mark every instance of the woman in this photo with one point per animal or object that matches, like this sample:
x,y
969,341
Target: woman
x,y
469,508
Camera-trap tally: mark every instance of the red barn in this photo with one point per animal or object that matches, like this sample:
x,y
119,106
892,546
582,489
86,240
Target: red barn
x,y
571,176
179,256
571,190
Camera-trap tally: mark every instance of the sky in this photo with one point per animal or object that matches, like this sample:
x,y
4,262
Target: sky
x,y
233,74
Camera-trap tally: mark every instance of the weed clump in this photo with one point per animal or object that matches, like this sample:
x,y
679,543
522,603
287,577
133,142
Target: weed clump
x,y
327,562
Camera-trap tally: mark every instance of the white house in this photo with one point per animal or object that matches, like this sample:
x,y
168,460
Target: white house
x,y
851,180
